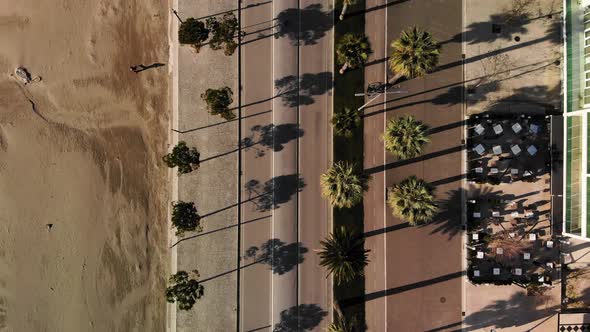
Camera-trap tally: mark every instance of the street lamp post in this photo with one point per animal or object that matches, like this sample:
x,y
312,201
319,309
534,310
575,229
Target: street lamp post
x,y
376,89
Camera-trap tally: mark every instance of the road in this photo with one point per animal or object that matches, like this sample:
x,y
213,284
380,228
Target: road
x,y
416,284
285,108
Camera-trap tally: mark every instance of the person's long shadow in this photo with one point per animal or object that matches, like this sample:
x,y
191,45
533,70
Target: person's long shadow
x,y
303,317
304,26
281,257
300,90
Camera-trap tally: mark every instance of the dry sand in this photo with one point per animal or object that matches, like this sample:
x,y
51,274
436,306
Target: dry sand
x,y
87,161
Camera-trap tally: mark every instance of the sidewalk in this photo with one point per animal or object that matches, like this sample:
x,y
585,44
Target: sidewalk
x,y
213,187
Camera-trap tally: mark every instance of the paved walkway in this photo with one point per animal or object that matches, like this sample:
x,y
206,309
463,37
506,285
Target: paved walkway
x,y
419,286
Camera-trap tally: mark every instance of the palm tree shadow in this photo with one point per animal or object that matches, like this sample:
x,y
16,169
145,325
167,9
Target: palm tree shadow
x,y
274,192
303,317
281,257
304,26
299,90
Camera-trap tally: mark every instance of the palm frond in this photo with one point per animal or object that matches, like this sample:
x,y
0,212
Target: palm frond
x,y
343,184
415,53
412,199
344,255
405,137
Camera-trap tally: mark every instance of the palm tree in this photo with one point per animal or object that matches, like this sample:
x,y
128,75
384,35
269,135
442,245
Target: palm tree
x,y
352,51
345,4
346,121
412,199
344,185
405,137
344,255
414,54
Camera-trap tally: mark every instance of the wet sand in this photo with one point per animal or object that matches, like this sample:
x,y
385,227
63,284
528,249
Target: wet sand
x,y
81,150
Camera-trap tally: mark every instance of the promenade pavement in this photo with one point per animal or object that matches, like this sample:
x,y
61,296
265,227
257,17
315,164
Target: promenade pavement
x,y
213,188
419,287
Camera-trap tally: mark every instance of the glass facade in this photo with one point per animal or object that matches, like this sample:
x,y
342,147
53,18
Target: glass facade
x,y
577,95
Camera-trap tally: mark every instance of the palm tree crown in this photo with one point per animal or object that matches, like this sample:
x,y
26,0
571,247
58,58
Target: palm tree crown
x,y
344,255
412,199
343,184
414,54
352,51
346,121
405,137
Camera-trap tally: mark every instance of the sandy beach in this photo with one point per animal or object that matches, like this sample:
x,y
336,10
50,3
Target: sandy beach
x,y
81,150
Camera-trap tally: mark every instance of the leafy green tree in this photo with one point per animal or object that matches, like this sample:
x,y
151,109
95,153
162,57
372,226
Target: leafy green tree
x,y
405,137
187,159
414,54
352,51
345,4
343,184
218,101
185,217
223,33
412,199
183,290
346,121
343,253
193,32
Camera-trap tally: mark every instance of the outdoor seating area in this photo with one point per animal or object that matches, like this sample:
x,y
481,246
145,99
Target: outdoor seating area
x,y
507,148
510,238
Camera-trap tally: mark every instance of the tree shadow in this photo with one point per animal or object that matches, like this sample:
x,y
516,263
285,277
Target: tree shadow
x,y
515,311
281,257
299,90
272,136
274,192
482,32
304,26
539,97
304,317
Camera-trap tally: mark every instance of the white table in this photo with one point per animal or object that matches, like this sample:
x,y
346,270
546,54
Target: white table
x,y
495,213
515,149
549,244
475,236
512,235
496,271
493,170
516,128
476,273
550,265
527,173
479,129
532,150
532,236
499,251
514,171
542,279
476,214
534,128
479,170
514,214
518,272
497,149
479,149
527,256
498,129
529,214
480,255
